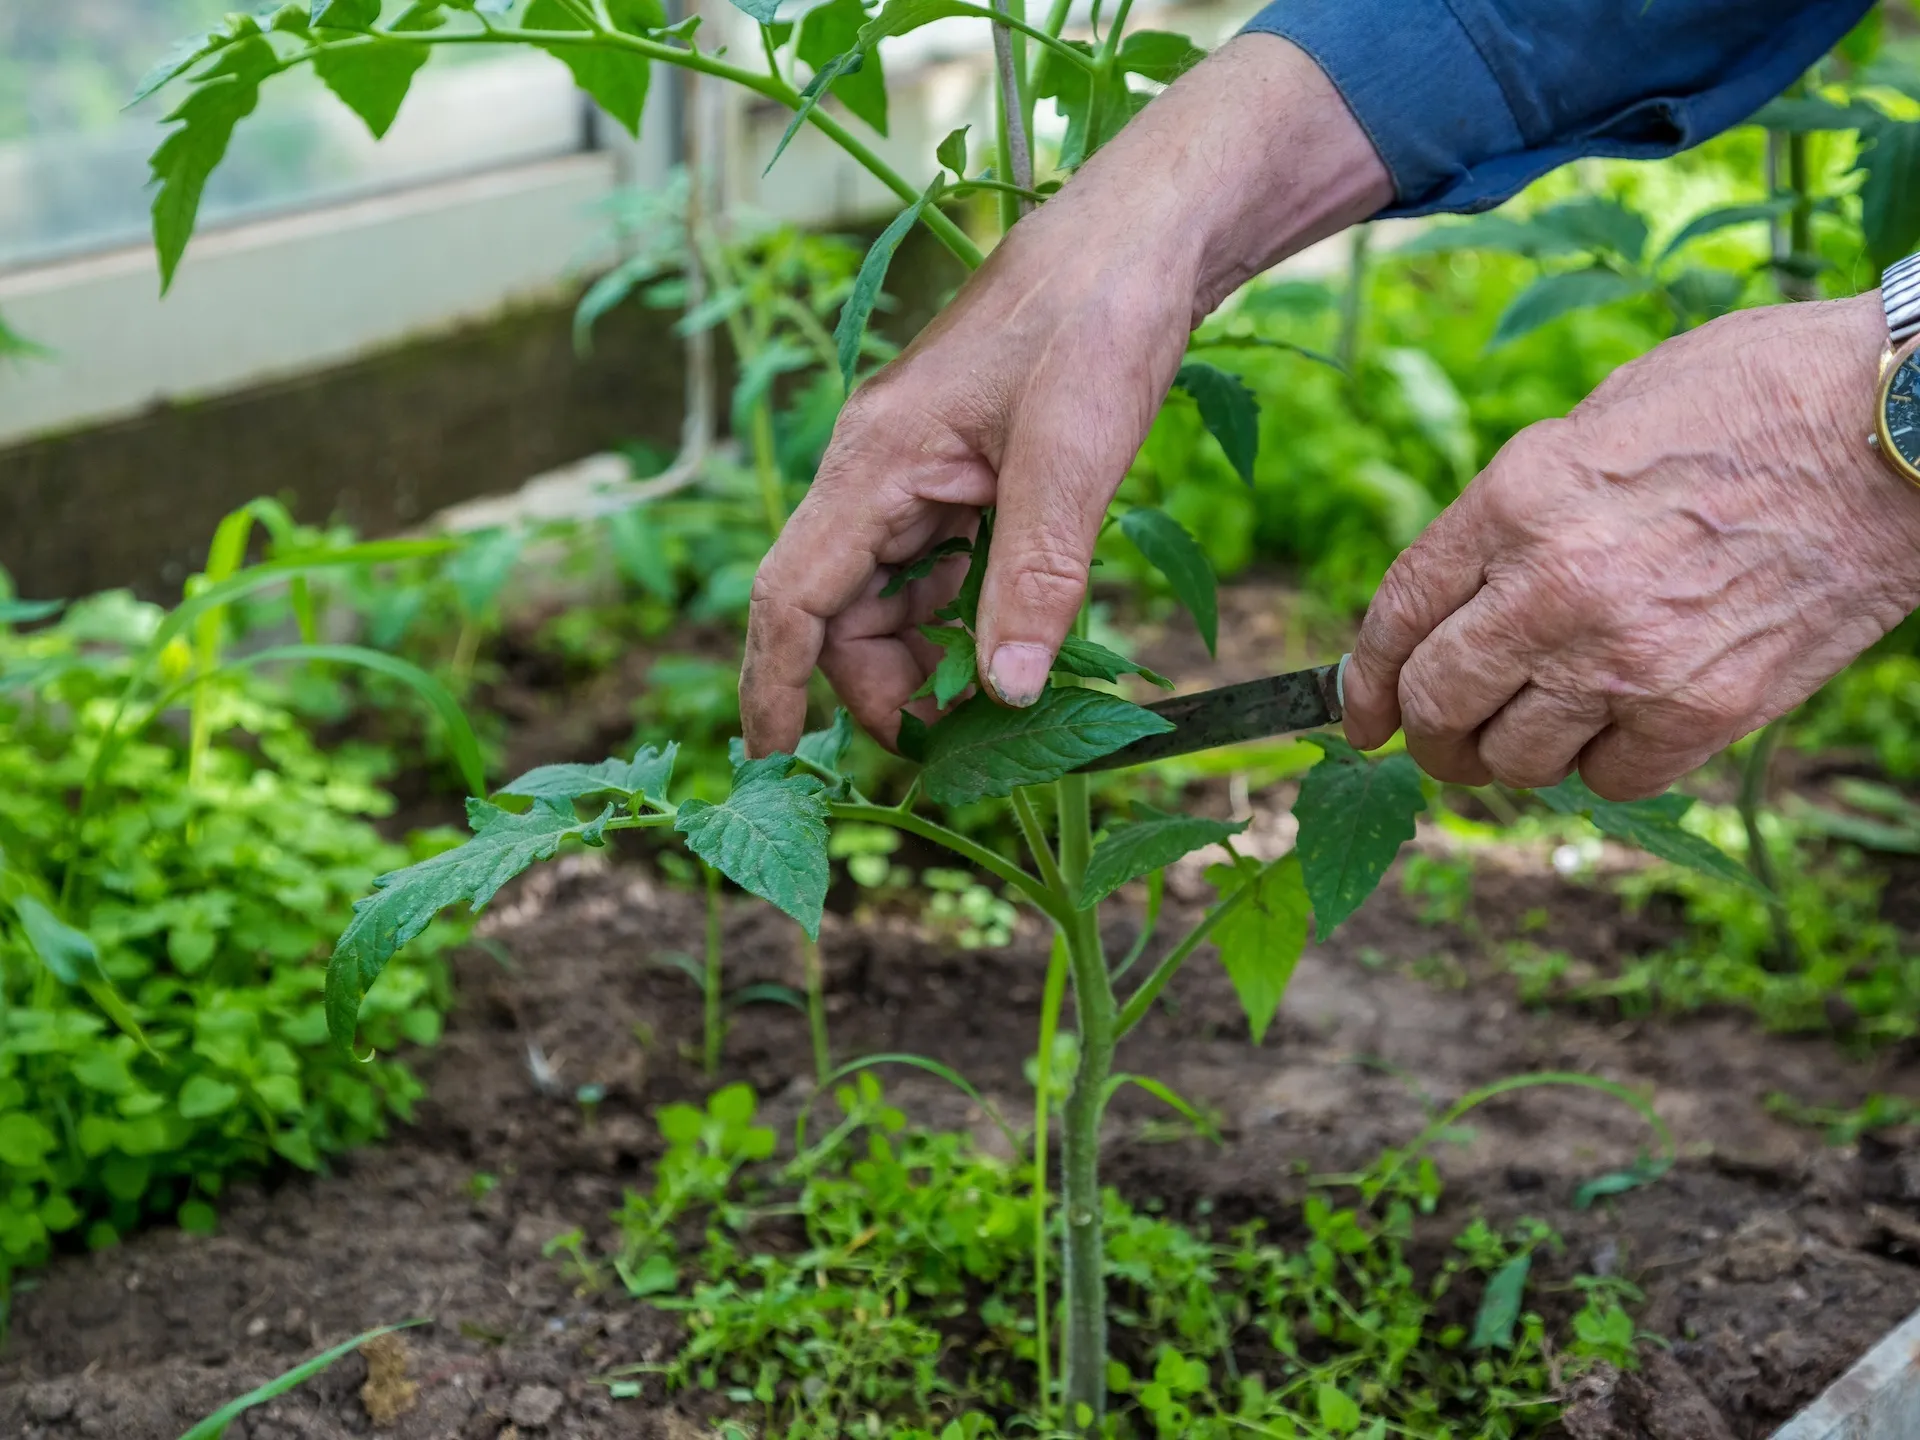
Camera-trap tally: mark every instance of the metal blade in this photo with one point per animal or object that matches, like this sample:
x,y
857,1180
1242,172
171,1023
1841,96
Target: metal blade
x,y
1278,705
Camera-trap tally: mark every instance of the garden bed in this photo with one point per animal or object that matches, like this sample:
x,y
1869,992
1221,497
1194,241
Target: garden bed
x,y
1770,1260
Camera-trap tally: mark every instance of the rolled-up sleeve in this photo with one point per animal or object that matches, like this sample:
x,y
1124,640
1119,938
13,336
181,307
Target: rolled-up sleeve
x,y
1468,101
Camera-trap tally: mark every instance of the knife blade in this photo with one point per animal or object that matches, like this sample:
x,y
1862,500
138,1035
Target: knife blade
x,y
1255,710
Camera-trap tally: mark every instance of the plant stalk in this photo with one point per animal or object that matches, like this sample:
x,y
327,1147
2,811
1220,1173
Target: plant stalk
x,y
1753,798
1353,302
716,1015
817,1010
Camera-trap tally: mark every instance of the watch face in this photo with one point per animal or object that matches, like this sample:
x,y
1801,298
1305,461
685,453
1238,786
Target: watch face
x,y
1903,410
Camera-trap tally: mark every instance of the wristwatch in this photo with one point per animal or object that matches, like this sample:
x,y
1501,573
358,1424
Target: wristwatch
x,y
1896,418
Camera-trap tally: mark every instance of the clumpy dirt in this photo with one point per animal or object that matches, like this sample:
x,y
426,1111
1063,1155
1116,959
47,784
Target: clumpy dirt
x,y
1769,1261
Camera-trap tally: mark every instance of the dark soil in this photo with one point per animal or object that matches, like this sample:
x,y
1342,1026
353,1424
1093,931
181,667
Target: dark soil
x,y
1769,1260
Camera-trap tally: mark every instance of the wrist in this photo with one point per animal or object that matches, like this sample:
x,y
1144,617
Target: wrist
x,y
1245,160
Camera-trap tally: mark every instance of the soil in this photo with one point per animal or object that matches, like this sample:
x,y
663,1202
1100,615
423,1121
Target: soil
x,y
1769,1260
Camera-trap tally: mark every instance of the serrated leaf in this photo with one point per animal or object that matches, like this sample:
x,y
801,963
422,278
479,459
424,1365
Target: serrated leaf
x,y
1354,815
965,605
648,773
923,567
1725,217
1653,826
827,748
810,96
1227,409
952,151
761,10
985,748
1152,840
1159,55
1890,195
344,14
1094,105
1500,1305
1262,938
897,17
1166,545
181,57
219,100
769,837
1598,223
616,79
851,330
405,902
958,665
1090,660
371,78
914,737
833,29
1552,296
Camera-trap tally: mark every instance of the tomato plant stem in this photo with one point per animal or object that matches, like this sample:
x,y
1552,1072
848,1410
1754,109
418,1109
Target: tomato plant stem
x,y
1049,902
1043,1087
817,1010
716,1019
1753,798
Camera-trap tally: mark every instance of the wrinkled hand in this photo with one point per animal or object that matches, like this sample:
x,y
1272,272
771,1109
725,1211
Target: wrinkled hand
x,y
1033,390
1705,541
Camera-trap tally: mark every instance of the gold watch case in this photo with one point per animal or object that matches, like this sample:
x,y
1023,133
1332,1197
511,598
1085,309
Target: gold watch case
x,y
1896,411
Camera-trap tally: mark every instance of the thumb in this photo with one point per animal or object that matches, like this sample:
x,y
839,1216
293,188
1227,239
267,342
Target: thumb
x,y
1048,512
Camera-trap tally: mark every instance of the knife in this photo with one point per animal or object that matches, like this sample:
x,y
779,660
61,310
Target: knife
x,y
1256,710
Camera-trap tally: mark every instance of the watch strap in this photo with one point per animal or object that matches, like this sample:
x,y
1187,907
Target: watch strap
x,y
1900,295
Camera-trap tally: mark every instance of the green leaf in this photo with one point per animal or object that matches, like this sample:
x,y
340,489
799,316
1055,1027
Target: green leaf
x,y
1154,838
897,17
24,1141
984,748
405,901
1178,556
1354,815
203,1096
923,567
182,56
1159,55
827,748
914,737
69,954
371,79
965,606
957,666
1491,232
1338,1411
1227,409
769,837
1725,217
1552,296
215,1425
480,568
1803,115
219,100
1261,938
1500,1306
344,14
1890,195
761,10
1652,825
616,79
851,330
1167,1096
833,29
952,151
810,96
1095,104
1706,292
1092,661
765,365
1598,224
648,773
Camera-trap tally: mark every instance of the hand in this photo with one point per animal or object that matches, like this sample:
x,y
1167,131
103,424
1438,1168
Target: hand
x,y
1705,541
1033,390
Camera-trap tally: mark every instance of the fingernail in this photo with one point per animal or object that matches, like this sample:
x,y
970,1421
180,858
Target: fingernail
x,y
1018,673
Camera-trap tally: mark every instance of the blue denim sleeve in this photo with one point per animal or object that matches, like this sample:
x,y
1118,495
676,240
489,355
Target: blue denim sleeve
x,y
1468,101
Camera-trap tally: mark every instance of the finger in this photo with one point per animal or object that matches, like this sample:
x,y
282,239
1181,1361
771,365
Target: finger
x,y
1458,678
1440,572
1059,472
1536,738
881,498
1621,764
875,657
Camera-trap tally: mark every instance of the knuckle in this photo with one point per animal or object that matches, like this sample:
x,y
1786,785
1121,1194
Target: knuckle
x,y
1424,711
1045,577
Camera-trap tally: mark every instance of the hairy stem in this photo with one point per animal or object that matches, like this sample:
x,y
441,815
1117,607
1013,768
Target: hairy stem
x,y
1142,999
817,1010
1015,143
1049,903
716,1018
1050,1004
1753,798
1083,1278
